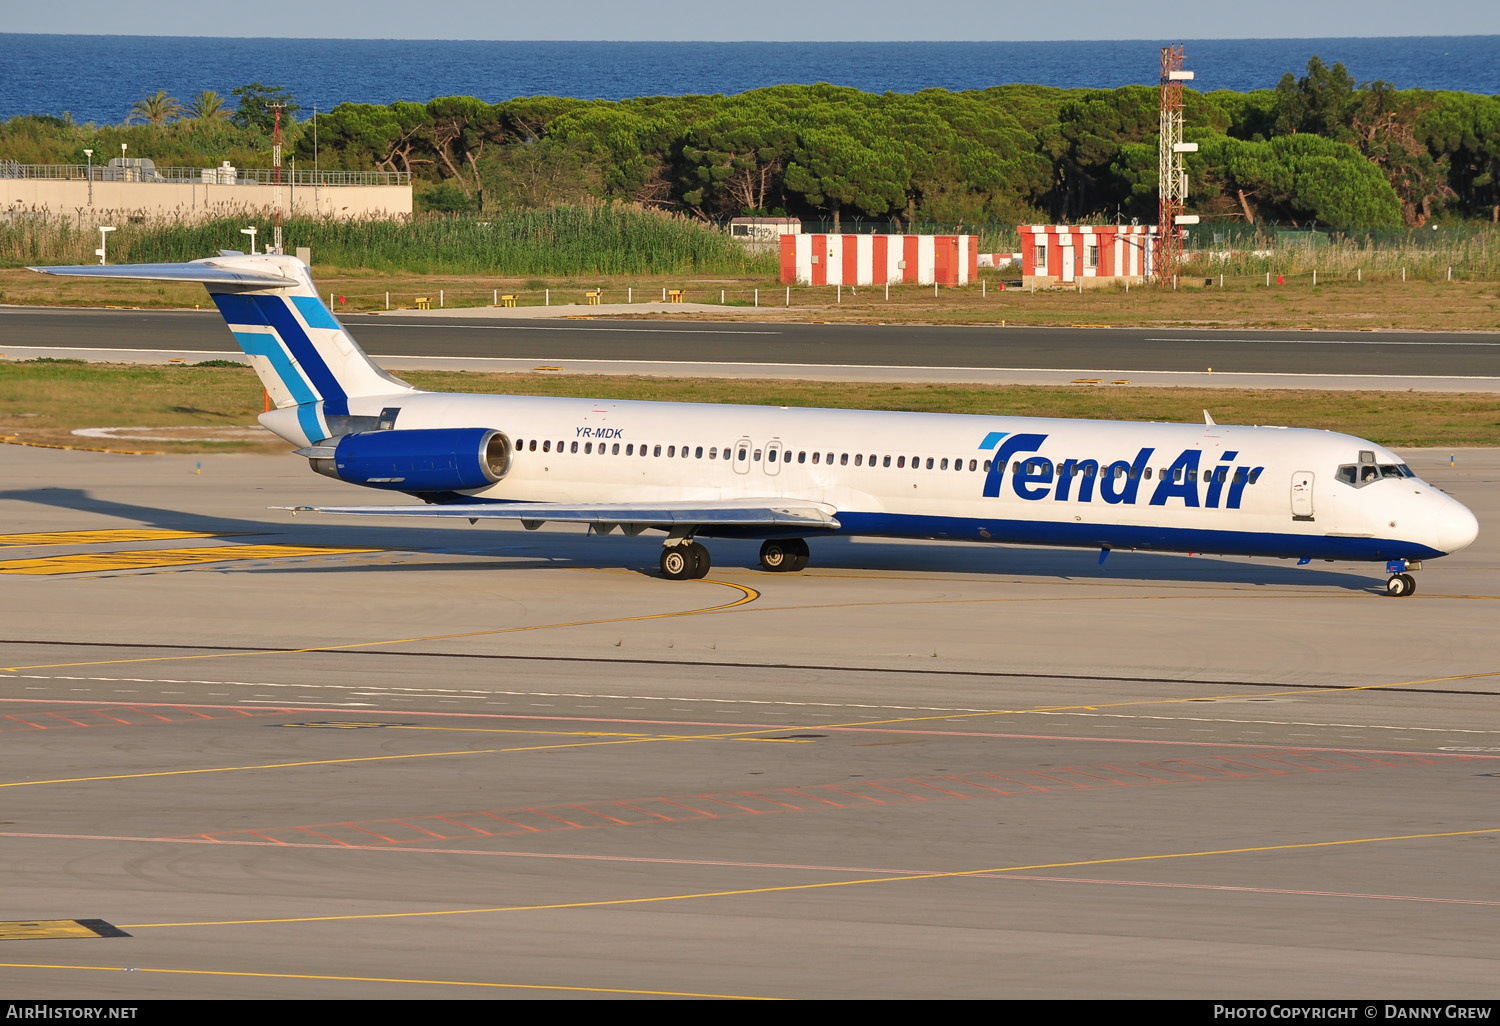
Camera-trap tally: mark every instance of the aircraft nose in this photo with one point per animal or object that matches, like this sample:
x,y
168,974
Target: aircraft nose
x,y
1457,527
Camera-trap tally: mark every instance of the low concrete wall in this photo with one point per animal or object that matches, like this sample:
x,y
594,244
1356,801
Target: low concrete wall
x,y
193,201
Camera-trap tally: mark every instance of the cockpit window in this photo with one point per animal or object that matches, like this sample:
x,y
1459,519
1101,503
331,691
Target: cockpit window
x,y
1360,474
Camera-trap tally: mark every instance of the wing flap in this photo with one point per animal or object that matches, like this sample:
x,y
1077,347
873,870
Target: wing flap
x,y
777,513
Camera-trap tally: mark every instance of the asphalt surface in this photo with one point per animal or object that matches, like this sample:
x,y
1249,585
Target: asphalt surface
x,y
1415,354
293,757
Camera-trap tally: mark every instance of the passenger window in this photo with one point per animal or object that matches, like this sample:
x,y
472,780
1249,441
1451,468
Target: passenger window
x,y
1148,473
614,450
859,459
802,457
533,445
815,456
699,452
671,451
886,462
900,462
1015,468
973,464
1255,475
588,447
713,453
742,454
757,455
986,466
573,447
547,445
656,451
929,463
843,459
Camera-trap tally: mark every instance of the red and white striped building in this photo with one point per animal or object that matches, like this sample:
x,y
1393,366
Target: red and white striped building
x,y
1059,254
879,259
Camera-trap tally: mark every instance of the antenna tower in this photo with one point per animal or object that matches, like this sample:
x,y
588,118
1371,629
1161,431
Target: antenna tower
x,y
1172,176
276,165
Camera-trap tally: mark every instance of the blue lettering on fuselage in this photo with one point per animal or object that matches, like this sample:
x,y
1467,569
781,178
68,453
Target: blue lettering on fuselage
x,y
1033,476
599,432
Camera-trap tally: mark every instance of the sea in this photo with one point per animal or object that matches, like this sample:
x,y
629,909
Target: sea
x,y
98,78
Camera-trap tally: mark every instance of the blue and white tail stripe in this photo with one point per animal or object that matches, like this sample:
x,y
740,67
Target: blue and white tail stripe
x,y
306,360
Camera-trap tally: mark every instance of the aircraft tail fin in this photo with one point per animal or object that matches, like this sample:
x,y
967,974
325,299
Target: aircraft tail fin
x,y
305,358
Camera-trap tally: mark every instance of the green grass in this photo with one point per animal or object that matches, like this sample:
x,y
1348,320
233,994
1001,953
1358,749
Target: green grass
x,y
593,240
43,401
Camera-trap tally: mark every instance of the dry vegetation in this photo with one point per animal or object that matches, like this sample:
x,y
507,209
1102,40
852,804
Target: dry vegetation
x,y
1244,301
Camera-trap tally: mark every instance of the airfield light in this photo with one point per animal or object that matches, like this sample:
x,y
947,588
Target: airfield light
x,y
104,230
250,232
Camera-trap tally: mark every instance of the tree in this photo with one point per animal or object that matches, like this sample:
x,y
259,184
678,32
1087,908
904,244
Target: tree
x,y
207,107
1304,178
1319,102
846,156
158,109
255,103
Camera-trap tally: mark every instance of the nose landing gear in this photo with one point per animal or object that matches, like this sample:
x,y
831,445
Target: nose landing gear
x,y
1401,583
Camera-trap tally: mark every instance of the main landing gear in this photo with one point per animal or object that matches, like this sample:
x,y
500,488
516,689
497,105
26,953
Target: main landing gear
x,y
784,555
1401,583
683,560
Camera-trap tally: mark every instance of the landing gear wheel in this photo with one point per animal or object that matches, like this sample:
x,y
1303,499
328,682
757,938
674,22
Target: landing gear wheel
x,y
1400,585
775,557
702,563
678,563
784,555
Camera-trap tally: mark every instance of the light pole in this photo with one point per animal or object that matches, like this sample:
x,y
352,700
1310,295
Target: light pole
x,y
90,155
104,230
315,160
250,232
124,177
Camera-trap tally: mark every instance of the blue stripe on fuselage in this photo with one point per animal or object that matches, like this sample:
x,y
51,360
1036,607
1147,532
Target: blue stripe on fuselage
x,y
1124,536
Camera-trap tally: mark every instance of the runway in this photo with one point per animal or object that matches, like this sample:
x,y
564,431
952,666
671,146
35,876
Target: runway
x,y
960,353
290,757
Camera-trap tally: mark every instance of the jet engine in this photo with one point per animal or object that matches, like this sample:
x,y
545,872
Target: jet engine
x,y
416,460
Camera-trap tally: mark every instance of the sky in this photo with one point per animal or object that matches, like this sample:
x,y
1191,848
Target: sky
x,y
774,20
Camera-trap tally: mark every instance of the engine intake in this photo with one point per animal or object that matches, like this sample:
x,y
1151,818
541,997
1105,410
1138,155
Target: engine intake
x,y
417,460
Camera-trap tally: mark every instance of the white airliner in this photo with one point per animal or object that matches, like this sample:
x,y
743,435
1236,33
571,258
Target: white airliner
x,y
780,475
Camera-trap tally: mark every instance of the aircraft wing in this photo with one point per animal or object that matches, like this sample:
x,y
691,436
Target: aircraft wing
x,y
633,517
197,270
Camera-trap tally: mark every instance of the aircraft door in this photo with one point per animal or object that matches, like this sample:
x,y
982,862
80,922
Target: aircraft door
x,y
772,465
1302,495
742,456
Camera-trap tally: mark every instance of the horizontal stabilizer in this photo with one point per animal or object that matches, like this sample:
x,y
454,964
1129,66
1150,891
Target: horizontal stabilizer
x,y
200,271
735,513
